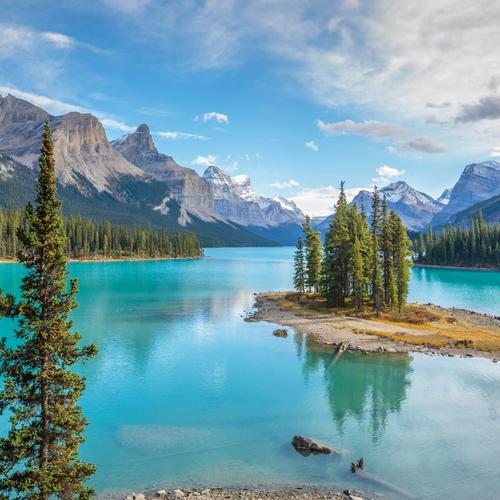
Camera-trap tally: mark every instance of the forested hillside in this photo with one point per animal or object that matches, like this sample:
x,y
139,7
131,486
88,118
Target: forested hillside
x,y
475,246
88,239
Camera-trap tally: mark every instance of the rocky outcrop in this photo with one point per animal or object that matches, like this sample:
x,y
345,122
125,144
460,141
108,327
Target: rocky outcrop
x,y
305,444
280,332
192,192
82,151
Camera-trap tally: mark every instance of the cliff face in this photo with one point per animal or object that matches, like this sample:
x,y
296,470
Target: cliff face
x,y
81,147
192,192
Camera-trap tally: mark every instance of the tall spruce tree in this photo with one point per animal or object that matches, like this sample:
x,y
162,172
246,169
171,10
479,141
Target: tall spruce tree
x,y
358,288
39,455
387,255
376,269
299,275
337,254
401,252
312,242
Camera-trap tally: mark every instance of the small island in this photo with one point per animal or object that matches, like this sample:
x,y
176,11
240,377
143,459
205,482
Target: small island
x,y
351,292
425,328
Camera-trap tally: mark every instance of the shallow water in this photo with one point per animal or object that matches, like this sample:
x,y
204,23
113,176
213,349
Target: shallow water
x,y
184,392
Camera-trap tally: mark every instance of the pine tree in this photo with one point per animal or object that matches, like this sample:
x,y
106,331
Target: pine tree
x,y
358,289
39,456
376,278
402,263
337,254
387,256
312,242
299,275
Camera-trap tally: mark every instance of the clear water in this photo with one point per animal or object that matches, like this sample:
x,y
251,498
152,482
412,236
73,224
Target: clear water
x,y
184,392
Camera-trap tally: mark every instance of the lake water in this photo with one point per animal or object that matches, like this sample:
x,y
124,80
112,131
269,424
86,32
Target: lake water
x,y
185,393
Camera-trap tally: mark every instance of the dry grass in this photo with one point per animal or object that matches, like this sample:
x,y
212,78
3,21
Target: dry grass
x,y
433,326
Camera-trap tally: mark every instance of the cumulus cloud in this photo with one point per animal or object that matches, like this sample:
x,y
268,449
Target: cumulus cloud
x,y
370,128
285,184
387,171
420,144
320,201
204,161
488,107
387,174
213,115
59,40
175,135
312,145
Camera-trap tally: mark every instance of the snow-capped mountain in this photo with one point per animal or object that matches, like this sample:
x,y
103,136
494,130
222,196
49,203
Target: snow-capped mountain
x,y
415,208
478,182
235,200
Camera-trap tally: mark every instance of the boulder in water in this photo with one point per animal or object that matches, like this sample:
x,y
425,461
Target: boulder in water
x,y
280,332
307,445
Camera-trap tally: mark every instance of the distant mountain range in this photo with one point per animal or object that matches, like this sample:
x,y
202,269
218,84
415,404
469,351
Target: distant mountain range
x,y
129,181
477,189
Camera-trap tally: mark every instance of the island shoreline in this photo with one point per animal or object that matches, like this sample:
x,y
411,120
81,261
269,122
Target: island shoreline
x,y
458,268
335,331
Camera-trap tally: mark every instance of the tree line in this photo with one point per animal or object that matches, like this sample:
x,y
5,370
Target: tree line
x,y
475,246
359,262
88,239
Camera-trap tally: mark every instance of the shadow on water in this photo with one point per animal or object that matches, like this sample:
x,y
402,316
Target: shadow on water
x,y
358,385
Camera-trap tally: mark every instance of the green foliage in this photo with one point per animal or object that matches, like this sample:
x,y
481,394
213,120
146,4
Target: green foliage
x,y
360,262
87,239
474,246
299,274
39,455
312,241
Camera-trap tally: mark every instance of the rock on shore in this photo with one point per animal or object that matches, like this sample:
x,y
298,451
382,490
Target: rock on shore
x,y
304,493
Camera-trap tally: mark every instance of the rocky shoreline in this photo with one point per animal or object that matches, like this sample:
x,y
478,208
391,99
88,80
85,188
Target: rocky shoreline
x,y
294,493
365,335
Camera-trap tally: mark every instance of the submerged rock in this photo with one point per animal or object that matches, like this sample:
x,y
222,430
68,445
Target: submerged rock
x,y
280,332
308,445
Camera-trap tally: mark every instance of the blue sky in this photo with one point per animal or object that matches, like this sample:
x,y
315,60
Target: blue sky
x,y
298,95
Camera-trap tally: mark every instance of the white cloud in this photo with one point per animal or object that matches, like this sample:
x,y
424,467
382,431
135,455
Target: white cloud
x,y
174,135
320,201
312,145
59,40
285,184
117,125
370,128
386,174
495,151
387,171
204,161
213,115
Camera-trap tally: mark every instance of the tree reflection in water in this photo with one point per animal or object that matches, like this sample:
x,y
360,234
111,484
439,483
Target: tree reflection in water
x,y
358,384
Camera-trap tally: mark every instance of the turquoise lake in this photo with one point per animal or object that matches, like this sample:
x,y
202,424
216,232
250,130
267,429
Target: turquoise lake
x,y
185,393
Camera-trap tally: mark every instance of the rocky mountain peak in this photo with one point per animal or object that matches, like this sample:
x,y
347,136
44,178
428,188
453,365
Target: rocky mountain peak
x,y
445,196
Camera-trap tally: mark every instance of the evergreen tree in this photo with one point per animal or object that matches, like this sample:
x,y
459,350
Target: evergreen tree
x,y
312,242
39,456
299,275
387,255
402,263
337,254
376,277
358,289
